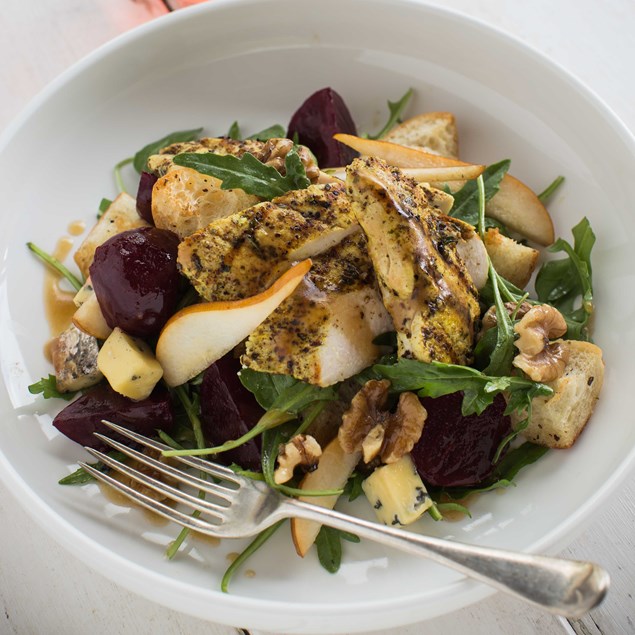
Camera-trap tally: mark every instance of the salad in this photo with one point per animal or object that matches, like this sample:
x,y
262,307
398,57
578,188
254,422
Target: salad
x,y
339,315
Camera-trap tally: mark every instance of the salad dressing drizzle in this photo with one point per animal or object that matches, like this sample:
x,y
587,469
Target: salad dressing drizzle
x,y
58,302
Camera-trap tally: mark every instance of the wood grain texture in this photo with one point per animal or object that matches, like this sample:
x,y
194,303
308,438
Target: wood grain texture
x,y
40,39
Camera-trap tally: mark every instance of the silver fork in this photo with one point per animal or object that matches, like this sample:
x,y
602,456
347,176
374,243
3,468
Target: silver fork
x,y
240,507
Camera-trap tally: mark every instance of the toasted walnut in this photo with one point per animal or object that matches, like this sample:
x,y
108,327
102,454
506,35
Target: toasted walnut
x,y
539,325
303,450
548,365
490,320
538,358
275,152
368,426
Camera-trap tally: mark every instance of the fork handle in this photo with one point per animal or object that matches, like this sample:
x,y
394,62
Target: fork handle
x,y
565,587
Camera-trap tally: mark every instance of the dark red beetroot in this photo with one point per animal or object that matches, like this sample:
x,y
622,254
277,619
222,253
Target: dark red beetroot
x,y
81,418
229,410
455,450
136,280
315,122
144,196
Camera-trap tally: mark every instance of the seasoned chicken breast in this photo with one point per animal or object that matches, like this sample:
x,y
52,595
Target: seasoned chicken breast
x,y
161,163
424,284
240,255
184,200
324,332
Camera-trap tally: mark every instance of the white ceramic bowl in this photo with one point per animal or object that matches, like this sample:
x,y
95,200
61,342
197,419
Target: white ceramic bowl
x,y
255,62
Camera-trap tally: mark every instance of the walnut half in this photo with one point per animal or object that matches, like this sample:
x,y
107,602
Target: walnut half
x,y
539,358
369,426
274,153
303,450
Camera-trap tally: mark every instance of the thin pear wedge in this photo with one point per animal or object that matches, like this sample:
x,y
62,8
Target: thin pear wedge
x,y
200,334
334,469
515,205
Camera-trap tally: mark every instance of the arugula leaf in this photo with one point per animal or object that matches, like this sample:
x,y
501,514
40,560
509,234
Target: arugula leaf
x,y
466,200
104,204
353,488
437,379
549,191
248,551
567,283
234,131
266,387
47,386
396,109
247,173
56,264
284,401
272,132
329,547
140,159
80,476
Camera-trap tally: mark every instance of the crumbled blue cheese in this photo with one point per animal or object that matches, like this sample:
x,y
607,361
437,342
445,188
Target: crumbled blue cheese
x,y
129,365
397,492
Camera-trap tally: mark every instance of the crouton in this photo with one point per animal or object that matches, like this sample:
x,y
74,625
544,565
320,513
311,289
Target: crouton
x,y
433,131
512,260
557,421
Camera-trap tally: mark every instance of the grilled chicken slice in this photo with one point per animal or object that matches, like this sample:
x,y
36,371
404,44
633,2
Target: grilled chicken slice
x,y
184,200
161,163
424,284
240,256
324,332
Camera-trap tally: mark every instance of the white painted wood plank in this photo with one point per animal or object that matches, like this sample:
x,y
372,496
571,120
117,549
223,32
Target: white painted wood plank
x,y
42,38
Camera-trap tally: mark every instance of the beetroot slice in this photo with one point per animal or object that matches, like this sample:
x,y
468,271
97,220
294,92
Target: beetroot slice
x,y
144,196
229,410
81,418
455,450
321,116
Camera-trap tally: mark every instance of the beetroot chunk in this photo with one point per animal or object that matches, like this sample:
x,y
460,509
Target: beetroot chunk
x,y
315,122
81,418
229,410
136,279
455,450
144,196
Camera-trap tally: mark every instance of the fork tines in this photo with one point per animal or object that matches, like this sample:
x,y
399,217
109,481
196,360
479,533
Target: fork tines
x,y
221,494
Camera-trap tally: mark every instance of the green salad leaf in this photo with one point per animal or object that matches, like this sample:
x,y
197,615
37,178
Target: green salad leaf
x,y
436,379
551,189
140,160
248,173
234,132
395,109
272,132
53,262
47,387
466,200
329,547
567,283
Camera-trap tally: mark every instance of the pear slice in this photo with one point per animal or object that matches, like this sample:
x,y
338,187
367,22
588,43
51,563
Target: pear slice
x,y
434,174
200,334
333,470
515,204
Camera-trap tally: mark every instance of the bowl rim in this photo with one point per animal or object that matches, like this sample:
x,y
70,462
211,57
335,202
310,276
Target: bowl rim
x,y
109,563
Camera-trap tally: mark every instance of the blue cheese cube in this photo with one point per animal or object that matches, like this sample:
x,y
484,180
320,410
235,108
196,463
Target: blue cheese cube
x,y
397,492
129,365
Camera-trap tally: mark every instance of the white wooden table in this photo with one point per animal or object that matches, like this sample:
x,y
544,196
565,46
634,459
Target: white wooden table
x,y
44,589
